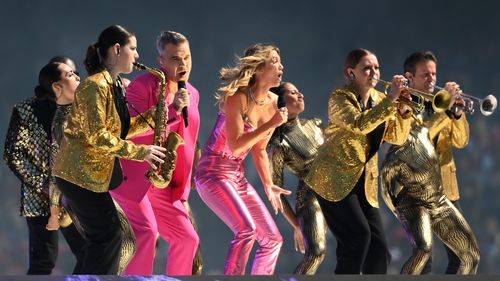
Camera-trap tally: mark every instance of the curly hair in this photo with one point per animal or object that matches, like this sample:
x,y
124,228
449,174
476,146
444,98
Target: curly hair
x,y
242,75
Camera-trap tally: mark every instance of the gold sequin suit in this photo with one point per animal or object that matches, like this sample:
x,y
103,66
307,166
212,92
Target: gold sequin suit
x,y
296,149
128,246
343,157
412,188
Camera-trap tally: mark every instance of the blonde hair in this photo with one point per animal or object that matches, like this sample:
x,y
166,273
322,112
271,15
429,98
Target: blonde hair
x,y
242,75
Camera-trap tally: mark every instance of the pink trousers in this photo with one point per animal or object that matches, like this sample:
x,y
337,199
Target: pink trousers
x,y
155,214
227,192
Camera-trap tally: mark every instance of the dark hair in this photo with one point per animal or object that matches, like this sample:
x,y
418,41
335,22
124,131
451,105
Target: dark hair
x,y
169,37
280,90
355,56
49,74
60,58
98,52
412,60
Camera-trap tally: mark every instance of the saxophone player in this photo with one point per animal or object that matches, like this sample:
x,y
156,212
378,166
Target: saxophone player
x,y
86,166
152,210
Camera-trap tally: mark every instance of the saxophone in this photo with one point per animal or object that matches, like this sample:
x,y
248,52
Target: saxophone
x,y
170,140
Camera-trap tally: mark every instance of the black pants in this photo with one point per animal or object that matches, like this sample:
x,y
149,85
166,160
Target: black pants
x,y
97,215
357,227
453,259
43,245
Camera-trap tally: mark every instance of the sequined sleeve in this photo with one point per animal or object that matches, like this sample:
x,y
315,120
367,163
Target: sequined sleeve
x,y
342,112
93,101
54,192
460,132
398,129
138,125
276,162
15,155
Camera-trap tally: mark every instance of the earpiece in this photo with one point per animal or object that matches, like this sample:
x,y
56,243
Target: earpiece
x,y
118,51
351,74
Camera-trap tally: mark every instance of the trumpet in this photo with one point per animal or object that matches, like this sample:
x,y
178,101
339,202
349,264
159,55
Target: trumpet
x,y
487,105
441,101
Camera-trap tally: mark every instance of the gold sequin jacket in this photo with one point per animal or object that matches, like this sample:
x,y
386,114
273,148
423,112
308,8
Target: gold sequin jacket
x,y
92,137
343,157
447,133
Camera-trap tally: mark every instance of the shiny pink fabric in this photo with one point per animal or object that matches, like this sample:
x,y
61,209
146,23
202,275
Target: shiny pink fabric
x,y
150,210
221,184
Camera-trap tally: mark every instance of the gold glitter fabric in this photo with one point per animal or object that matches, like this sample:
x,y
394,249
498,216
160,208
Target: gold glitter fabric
x,y
343,157
412,188
296,149
92,137
129,245
454,135
27,154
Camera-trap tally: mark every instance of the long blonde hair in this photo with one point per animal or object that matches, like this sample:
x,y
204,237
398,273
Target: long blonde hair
x,y
242,75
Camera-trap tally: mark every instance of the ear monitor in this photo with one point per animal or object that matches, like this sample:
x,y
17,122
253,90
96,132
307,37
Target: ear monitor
x,y
351,74
118,51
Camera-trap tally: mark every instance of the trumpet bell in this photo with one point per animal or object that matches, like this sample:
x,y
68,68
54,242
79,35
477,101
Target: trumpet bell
x,y
488,105
441,101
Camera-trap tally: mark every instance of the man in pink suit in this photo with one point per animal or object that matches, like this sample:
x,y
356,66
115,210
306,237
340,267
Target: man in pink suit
x,y
151,210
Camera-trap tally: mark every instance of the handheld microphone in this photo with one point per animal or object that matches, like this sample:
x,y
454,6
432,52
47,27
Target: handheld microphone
x,y
281,103
182,85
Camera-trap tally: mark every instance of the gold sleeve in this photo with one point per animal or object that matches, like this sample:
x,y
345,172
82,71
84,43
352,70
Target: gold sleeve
x,y
460,132
342,112
398,129
277,164
138,125
92,117
437,123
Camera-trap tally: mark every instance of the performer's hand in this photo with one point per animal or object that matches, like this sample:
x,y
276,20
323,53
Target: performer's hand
x,y
273,194
181,99
155,155
279,117
299,240
53,223
398,84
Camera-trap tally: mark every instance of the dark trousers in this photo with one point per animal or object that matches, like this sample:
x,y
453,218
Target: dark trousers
x,y
357,227
97,216
453,259
43,246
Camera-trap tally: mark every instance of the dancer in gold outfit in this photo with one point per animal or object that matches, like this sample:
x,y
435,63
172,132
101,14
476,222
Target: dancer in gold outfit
x,y
411,175
295,145
344,174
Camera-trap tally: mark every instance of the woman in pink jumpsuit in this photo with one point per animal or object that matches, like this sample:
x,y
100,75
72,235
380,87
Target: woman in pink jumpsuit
x,y
247,118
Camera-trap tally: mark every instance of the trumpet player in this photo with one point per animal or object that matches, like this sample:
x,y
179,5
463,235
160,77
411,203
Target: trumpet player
x,y
418,178
344,174
152,210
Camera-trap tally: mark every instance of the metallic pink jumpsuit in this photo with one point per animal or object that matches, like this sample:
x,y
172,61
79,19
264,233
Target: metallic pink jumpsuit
x,y
221,183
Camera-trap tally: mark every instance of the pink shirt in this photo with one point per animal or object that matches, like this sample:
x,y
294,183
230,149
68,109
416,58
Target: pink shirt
x,y
142,94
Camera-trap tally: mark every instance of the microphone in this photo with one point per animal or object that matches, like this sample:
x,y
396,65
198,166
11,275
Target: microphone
x,y
280,91
281,103
182,85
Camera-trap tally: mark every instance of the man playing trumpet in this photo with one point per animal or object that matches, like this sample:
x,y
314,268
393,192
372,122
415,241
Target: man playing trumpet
x,y
418,178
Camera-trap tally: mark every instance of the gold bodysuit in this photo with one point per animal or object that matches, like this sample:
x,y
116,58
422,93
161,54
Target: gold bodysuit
x,y
297,150
412,189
